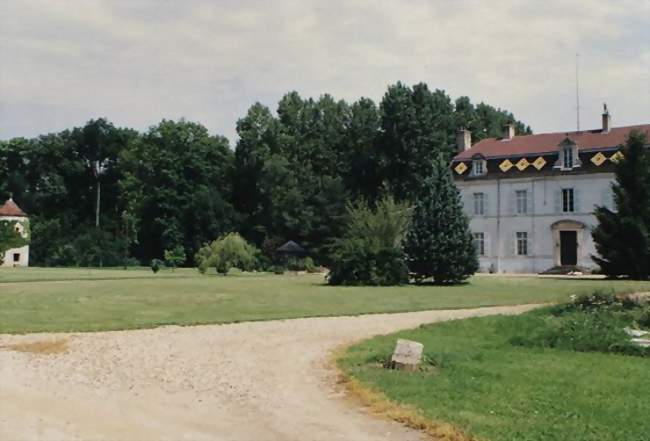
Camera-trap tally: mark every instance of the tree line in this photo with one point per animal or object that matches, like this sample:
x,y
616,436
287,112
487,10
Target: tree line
x,y
106,195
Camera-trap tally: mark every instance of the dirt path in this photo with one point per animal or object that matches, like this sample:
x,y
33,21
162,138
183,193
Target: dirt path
x,y
250,381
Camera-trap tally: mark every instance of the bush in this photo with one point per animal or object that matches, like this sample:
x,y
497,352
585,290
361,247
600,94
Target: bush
x,y
370,252
175,257
356,265
310,267
278,269
593,322
644,318
229,251
156,264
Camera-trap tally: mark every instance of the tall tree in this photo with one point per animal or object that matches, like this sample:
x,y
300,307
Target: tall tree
x,y
177,182
439,243
622,237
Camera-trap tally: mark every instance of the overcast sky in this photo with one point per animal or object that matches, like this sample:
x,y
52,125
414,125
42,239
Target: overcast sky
x,y
136,62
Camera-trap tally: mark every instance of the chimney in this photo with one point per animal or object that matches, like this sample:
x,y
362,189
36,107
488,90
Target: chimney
x,y
607,120
463,140
508,132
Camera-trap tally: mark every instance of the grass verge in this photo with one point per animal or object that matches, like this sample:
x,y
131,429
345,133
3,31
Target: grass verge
x,y
491,389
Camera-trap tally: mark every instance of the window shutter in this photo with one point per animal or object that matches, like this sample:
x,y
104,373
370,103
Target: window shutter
x,y
486,205
558,201
576,200
530,202
512,202
486,241
514,244
529,246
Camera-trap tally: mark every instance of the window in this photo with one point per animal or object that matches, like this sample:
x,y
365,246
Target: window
x,y
480,243
522,243
522,201
568,199
478,167
567,155
16,257
479,204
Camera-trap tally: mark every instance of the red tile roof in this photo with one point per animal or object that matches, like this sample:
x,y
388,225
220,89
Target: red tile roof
x,y
11,209
548,142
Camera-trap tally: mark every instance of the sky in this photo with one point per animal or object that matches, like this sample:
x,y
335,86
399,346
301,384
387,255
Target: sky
x,y
136,62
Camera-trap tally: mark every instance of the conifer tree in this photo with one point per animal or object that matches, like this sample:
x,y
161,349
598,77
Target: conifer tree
x,y
439,243
622,237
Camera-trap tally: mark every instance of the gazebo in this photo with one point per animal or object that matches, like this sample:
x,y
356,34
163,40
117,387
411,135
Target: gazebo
x,y
291,250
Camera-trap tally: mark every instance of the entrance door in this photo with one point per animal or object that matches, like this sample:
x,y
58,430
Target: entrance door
x,y
568,247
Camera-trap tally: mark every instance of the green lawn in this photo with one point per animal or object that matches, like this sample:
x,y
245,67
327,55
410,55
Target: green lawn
x,y
38,299
488,388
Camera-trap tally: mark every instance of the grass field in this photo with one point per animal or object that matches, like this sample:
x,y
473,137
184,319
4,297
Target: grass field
x,y
50,299
490,389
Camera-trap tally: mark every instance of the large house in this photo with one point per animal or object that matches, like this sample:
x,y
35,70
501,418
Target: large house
x,y
531,198
10,211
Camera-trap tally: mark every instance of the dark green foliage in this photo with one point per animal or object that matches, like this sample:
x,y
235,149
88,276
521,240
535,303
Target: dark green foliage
x,y
622,237
370,251
290,177
356,264
156,264
177,185
439,244
644,318
418,125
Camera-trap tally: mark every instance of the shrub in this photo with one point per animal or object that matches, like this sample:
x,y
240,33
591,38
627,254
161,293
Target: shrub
x,y
644,318
156,264
175,256
593,322
278,269
370,251
310,267
229,251
357,265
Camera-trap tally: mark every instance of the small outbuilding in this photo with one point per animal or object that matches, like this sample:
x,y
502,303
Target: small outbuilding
x,y
291,250
10,211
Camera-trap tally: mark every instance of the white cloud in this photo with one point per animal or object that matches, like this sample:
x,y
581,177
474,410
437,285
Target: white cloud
x,y
137,62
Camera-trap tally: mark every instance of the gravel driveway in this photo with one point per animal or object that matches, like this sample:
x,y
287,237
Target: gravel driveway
x,y
248,381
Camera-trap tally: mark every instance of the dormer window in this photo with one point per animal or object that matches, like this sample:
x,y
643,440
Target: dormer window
x,y
568,155
479,166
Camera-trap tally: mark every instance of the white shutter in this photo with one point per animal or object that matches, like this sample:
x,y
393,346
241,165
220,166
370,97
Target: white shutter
x,y
530,202
487,245
558,201
576,200
486,204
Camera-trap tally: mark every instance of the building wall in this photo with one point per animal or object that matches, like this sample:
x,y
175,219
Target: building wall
x,y
23,252
500,223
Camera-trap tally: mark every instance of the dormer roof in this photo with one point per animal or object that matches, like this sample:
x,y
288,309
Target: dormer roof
x,y
546,143
10,208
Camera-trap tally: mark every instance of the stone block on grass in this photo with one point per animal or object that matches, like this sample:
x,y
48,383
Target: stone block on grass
x,y
407,355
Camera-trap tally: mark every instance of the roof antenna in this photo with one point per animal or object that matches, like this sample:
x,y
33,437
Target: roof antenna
x,y
577,95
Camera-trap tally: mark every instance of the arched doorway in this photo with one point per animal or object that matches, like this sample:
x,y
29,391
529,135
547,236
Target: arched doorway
x,y
567,236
